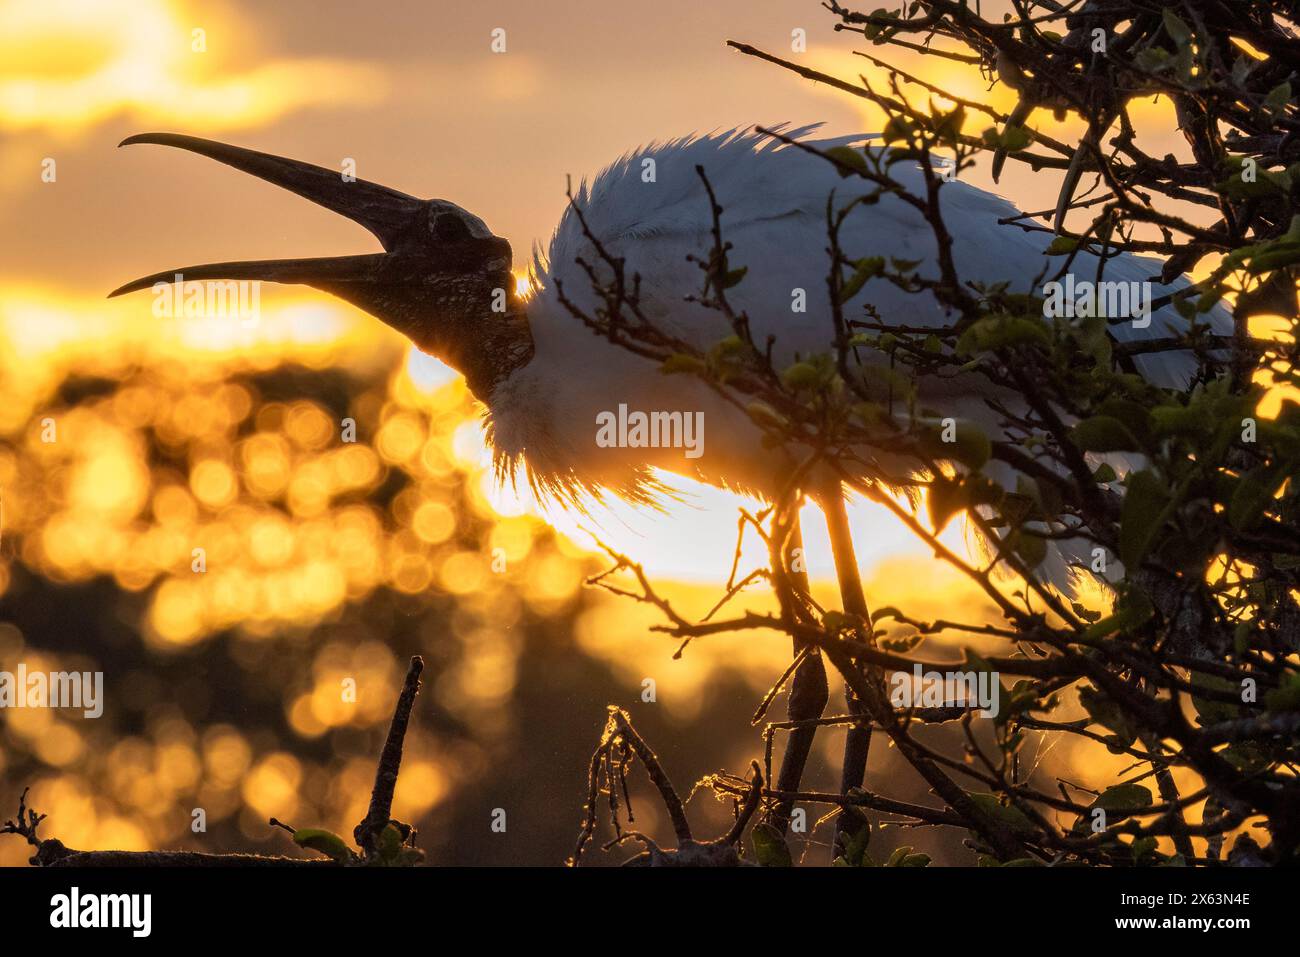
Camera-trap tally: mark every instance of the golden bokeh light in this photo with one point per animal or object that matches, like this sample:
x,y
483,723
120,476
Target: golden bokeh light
x,y
269,517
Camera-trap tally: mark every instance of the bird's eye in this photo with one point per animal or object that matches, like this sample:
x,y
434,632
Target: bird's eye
x,y
450,228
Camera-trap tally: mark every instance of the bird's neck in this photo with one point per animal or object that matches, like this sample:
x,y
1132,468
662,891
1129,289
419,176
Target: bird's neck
x,y
461,319
492,350
484,349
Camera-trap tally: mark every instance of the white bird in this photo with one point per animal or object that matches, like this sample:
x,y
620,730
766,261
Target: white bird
x,y
548,381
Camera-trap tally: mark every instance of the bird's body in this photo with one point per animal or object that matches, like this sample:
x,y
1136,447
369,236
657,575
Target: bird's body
x,y
774,202
548,381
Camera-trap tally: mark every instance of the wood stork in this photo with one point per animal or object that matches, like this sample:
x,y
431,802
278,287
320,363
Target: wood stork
x,y
552,388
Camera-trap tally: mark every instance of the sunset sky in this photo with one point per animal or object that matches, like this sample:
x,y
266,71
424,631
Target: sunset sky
x,y
418,99
412,92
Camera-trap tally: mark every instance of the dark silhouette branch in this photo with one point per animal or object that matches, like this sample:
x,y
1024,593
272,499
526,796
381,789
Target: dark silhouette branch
x,y
51,852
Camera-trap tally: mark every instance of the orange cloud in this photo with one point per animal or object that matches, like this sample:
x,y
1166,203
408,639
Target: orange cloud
x,y
69,64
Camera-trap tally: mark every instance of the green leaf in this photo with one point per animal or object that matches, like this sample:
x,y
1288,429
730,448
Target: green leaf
x,y
948,127
1106,713
1147,504
1119,800
998,332
1131,611
1177,29
800,375
1123,798
1254,492
836,621
1134,415
769,846
847,159
1104,474
1278,98
870,413
900,854
1266,184
1144,847
855,854
1104,433
734,276
1012,818
1286,696
1241,636
1275,255
969,445
1031,548
1062,245
1209,710
730,346
681,362
326,842
898,129
864,269
1152,59
763,414
1014,138
389,843
972,447
1179,420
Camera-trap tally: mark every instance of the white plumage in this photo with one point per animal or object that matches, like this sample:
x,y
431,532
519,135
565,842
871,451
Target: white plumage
x,y
774,199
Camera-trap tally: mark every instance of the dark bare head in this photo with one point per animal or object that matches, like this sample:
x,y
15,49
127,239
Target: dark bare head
x,y
443,280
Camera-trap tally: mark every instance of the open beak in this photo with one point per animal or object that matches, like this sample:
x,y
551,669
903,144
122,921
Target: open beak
x,y
397,220
441,275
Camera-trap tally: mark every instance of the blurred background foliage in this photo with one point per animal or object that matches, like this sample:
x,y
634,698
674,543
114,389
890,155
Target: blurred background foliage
x,y
325,560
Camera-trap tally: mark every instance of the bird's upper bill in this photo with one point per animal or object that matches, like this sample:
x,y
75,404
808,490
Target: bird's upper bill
x,y
443,279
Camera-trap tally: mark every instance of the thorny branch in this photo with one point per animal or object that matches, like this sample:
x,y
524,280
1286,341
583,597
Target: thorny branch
x,y
1192,663
51,852
610,762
